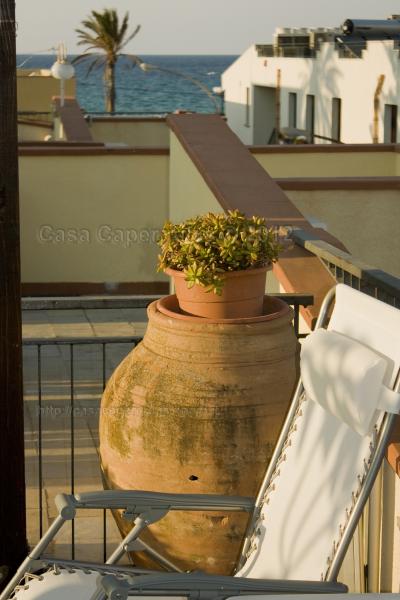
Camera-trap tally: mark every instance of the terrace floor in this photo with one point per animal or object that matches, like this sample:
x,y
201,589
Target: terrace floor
x,y
63,405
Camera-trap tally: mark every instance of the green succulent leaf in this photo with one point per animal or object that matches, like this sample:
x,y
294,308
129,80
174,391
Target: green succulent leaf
x,y
208,246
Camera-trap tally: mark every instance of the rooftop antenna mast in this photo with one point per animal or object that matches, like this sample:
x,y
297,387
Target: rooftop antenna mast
x,y
62,70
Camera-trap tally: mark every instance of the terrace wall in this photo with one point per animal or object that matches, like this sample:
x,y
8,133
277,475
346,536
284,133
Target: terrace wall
x,y
31,131
352,191
143,132
89,217
189,194
350,160
366,221
361,212
35,91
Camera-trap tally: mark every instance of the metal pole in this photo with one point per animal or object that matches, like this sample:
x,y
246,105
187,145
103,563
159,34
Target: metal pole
x,y
375,535
378,91
62,93
278,106
13,545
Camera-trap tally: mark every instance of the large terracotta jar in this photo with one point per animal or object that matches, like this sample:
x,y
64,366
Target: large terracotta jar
x,y
197,407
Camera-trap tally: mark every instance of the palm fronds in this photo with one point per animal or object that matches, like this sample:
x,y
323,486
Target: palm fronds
x,y
103,32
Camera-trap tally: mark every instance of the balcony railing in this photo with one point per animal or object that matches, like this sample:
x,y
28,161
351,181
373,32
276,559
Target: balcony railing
x,y
285,51
301,51
347,269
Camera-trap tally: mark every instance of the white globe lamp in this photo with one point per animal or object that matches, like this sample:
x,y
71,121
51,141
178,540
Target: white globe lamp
x,y
62,70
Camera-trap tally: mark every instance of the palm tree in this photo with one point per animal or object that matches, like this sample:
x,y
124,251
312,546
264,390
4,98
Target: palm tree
x,y
104,33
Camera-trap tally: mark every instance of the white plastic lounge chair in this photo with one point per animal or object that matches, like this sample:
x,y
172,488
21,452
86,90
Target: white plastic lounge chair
x,y
322,471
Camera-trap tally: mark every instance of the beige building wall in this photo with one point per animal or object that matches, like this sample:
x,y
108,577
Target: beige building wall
x,y
132,132
366,221
397,163
33,133
330,164
73,196
34,92
92,218
189,195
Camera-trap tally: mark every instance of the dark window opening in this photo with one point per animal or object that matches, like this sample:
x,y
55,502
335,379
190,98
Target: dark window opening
x,y
292,121
310,117
336,119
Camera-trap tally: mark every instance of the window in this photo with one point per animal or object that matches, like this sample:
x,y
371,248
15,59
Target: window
x,y
292,120
310,116
336,119
247,116
390,124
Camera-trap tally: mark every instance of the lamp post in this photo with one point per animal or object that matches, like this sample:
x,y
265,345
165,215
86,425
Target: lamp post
x,y
219,91
62,70
146,67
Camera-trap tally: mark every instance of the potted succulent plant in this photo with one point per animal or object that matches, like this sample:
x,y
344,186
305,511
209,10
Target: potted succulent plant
x,y
219,263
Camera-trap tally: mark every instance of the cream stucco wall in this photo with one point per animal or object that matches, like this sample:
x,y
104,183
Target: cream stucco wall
x,y
397,163
189,195
133,193
132,132
32,133
92,218
34,92
327,76
366,221
330,164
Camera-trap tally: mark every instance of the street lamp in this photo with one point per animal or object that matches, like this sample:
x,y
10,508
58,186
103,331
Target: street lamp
x,y
62,70
146,67
219,91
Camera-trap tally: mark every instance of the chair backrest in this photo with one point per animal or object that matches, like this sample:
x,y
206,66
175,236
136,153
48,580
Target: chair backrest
x,y
321,469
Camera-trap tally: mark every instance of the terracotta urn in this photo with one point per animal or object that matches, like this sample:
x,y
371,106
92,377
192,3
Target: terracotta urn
x,y
197,407
242,295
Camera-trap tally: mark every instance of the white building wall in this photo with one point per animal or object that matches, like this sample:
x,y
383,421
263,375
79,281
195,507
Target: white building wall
x,y
326,77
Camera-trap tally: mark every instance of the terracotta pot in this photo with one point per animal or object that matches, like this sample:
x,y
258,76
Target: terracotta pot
x,y
196,408
242,295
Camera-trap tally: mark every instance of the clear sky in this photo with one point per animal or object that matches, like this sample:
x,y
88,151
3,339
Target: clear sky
x,y
189,26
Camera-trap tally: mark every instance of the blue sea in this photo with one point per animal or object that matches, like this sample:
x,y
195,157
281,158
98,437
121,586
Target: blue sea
x,y
150,92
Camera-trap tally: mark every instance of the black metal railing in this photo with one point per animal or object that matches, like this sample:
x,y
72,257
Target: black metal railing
x,y
348,269
285,51
62,405
49,408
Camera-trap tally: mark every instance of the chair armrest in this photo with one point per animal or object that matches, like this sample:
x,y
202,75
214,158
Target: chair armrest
x,y
220,587
139,502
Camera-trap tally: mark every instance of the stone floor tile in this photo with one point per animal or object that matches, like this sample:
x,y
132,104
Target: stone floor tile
x,y
35,324
69,323
135,315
